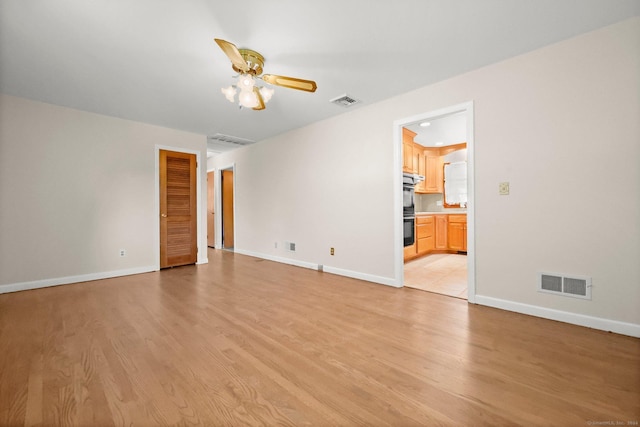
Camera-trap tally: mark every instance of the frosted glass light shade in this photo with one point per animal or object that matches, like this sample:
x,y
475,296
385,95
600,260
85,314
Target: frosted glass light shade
x,y
266,94
248,99
229,93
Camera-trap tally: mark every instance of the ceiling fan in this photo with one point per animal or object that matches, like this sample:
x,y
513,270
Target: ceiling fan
x,y
248,63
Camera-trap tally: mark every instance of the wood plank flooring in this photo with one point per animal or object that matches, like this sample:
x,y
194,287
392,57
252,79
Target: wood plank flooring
x,y
242,341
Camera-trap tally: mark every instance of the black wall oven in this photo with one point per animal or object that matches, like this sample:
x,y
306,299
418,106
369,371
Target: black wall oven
x,y
409,227
408,195
408,209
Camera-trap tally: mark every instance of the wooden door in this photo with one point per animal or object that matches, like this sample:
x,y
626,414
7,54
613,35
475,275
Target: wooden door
x,y
178,209
211,219
227,209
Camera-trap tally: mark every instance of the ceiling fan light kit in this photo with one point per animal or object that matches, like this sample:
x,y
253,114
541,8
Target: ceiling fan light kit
x,y
249,64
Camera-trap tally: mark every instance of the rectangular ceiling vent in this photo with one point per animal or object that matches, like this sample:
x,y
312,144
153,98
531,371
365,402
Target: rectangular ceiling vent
x,y
569,286
344,101
220,143
228,139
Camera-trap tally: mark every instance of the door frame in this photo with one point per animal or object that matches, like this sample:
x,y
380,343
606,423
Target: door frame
x,y
218,205
213,171
471,220
202,241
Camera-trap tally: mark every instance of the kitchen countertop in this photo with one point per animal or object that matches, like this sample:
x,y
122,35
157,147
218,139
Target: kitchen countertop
x,y
447,212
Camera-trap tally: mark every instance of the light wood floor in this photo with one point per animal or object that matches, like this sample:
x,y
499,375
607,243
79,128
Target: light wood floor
x,y
242,341
444,274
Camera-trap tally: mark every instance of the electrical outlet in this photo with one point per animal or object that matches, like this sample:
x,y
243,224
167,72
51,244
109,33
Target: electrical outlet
x,y
275,245
123,252
503,188
333,251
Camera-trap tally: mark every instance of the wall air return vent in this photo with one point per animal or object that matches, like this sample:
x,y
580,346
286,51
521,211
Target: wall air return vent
x,y
569,286
344,101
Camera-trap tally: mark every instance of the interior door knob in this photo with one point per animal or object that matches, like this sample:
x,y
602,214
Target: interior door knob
x,y
164,215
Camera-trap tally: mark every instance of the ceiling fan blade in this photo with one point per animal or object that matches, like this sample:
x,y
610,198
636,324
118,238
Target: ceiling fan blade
x,y
260,105
290,82
233,54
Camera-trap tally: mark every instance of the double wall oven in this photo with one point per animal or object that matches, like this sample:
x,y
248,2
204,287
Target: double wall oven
x,y
408,208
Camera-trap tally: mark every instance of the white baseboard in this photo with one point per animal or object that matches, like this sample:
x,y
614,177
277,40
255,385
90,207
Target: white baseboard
x,y
325,268
36,284
608,325
362,276
282,260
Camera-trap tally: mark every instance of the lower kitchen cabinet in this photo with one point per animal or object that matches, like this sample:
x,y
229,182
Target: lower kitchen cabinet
x,y
441,232
425,234
410,252
457,233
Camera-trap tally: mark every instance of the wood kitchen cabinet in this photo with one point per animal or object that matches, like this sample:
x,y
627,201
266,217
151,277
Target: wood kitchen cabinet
x,y
407,151
441,232
457,233
418,158
422,167
425,234
430,165
438,233
410,252
433,177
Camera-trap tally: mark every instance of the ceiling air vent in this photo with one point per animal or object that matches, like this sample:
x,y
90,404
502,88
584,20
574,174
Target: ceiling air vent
x,y
228,139
344,101
578,287
220,143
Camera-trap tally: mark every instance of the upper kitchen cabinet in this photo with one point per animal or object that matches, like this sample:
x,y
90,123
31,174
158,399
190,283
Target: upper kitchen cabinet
x,y
433,179
407,151
422,166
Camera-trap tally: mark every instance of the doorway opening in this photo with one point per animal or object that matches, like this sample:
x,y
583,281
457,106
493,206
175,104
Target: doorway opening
x,y
436,152
211,215
227,219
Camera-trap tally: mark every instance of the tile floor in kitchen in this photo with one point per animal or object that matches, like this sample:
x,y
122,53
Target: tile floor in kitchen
x,y
440,273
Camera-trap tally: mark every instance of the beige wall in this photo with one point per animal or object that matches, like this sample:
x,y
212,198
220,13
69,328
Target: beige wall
x,y
560,124
75,188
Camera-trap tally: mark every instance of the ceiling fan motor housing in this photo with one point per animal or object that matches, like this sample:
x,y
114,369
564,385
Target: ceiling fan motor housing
x,y
254,60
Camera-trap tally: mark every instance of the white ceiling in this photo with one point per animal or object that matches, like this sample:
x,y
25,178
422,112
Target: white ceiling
x,y
155,61
441,131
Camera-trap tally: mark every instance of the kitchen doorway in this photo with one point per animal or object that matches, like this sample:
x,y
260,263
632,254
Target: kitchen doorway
x,y
442,257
